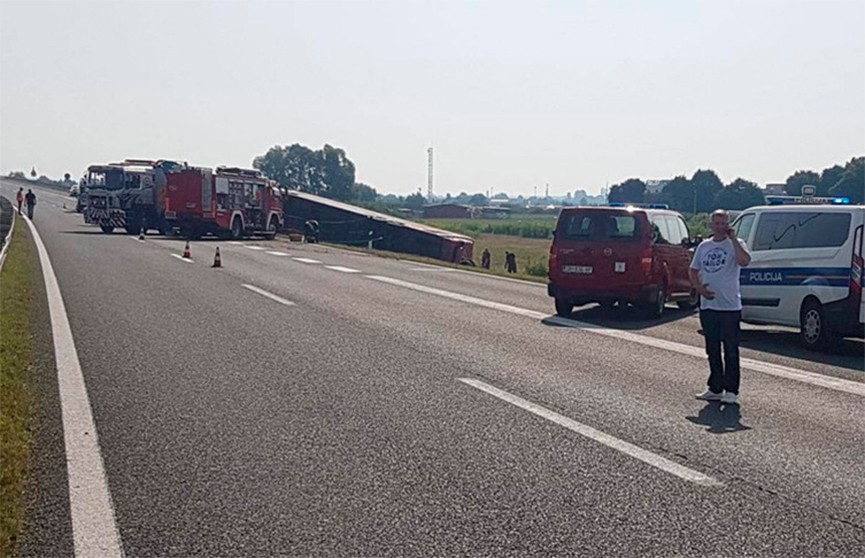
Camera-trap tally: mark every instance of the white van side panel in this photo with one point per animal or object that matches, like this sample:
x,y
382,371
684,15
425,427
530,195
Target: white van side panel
x,y
777,282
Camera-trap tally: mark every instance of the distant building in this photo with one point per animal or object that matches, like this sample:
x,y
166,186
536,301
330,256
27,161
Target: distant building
x,y
447,211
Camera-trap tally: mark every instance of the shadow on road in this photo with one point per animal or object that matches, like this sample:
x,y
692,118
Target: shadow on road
x,y
720,419
850,353
627,317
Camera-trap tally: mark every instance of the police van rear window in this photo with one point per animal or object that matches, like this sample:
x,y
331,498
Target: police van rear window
x,y
599,226
780,231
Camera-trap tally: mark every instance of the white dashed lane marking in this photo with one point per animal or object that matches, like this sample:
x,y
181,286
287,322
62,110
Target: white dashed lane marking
x,y
306,260
342,269
629,449
269,295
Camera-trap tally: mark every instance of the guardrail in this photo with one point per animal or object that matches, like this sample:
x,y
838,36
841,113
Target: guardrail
x,y
7,223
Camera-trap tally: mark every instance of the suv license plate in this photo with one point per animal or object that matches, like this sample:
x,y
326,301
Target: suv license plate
x,y
582,269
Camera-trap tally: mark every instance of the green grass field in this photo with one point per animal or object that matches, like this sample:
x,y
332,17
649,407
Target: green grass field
x,y
16,358
532,255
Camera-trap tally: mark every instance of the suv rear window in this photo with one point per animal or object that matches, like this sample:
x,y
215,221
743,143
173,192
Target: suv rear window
x,y
599,225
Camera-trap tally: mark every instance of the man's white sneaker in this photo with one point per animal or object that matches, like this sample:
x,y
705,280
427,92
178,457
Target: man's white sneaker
x,y
710,395
730,398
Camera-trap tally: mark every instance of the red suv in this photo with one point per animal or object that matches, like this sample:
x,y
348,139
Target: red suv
x,y
621,254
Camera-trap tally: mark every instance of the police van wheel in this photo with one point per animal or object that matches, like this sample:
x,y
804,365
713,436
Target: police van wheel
x,y
815,332
107,229
564,307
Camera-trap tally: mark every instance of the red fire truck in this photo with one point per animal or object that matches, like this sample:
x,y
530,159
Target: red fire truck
x,y
231,201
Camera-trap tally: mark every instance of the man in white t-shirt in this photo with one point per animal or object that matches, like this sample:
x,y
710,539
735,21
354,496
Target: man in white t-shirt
x,y
715,275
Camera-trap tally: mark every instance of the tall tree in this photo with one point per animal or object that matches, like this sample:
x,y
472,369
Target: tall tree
x,y
337,173
294,167
632,190
363,193
852,182
415,201
326,172
828,179
798,179
478,200
678,193
739,194
706,186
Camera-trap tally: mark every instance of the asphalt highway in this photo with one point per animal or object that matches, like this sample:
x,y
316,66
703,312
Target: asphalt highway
x,y
307,400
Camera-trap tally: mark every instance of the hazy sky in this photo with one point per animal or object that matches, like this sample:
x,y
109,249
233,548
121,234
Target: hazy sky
x,y
512,95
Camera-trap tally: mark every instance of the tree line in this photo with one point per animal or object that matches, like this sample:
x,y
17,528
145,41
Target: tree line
x,y
705,192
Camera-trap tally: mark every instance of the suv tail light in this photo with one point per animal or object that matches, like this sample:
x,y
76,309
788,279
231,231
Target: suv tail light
x,y
646,260
554,254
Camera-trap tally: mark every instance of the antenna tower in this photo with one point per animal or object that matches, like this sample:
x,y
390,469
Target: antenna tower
x,y
429,179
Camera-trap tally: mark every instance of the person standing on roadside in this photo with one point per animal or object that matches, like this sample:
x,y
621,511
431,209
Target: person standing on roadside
x,y
510,262
31,202
20,199
714,274
486,259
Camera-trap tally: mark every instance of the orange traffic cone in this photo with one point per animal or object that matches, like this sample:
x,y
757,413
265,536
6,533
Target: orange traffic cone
x,y
186,253
217,259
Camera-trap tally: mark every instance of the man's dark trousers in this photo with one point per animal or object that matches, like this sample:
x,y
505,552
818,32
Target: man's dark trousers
x,y
722,327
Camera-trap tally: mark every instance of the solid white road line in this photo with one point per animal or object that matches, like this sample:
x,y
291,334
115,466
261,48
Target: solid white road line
x,y
94,529
269,295
432,269
829,382
254,247
342,269
629,449
277,253
235,242
461,297
306,260
181,258
789,373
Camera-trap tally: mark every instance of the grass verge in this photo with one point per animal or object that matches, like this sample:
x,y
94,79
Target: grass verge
x,y
16,359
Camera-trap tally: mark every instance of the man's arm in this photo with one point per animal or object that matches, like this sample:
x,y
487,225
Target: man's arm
x,y
698,285
697,280
743,256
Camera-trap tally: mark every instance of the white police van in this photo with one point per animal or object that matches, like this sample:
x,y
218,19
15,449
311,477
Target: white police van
x,y
806,270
